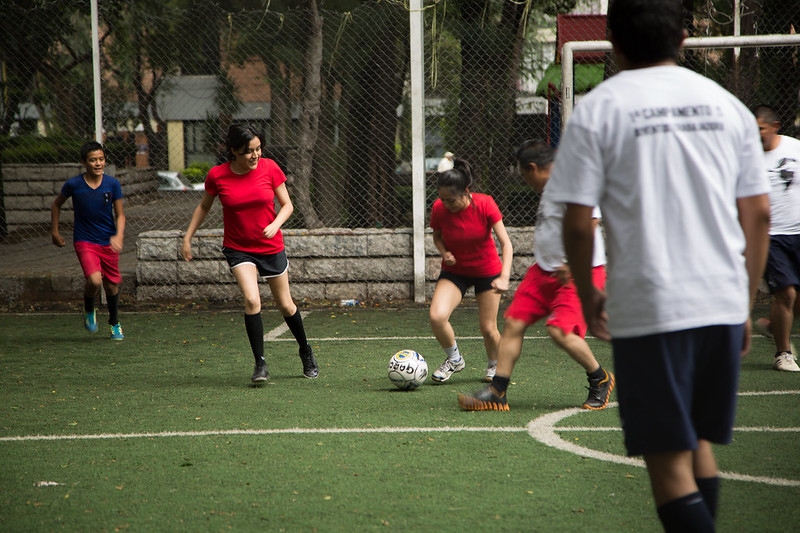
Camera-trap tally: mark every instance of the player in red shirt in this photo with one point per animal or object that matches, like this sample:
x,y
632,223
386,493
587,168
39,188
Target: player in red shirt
x,y
247,187
462,223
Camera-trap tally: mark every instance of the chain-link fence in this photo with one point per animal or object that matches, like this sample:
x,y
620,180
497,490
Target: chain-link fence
x,y
328,85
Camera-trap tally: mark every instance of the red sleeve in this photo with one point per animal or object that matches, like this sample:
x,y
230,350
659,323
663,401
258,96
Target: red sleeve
x,y
211,181
273,170
436,215
493,214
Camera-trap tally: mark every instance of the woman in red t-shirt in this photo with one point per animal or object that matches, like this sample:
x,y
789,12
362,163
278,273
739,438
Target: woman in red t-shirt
x,y
462,223
248,186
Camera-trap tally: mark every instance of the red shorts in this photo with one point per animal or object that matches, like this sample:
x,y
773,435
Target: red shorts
x,y
98,258
541,294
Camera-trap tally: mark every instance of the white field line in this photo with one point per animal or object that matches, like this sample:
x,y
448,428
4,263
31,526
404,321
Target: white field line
x,y
286,431
544,430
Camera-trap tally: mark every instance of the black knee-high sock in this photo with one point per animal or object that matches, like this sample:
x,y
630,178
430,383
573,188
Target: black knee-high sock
x,y
255,333
709,488
113,308
295,323
88,304
687,514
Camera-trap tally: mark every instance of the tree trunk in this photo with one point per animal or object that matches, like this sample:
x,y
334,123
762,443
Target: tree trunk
x,y
309,118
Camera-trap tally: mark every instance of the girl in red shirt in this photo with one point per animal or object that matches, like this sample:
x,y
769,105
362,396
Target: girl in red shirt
x,y
247,187
462,223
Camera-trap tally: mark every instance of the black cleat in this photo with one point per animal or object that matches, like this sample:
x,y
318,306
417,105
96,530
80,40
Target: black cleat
x,y
260,373
599,392
310,369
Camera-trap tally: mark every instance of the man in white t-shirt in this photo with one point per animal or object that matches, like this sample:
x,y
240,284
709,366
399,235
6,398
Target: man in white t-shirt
x,y
782,158
675,163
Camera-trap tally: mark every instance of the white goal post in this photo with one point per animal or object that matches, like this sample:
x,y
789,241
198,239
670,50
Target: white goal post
x,y
742,41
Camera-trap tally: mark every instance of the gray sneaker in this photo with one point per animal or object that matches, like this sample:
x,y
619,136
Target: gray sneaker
x,y
447,369
491,370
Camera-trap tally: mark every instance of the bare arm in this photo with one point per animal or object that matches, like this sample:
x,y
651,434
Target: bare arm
x,y
447,256
55,214
198,217
754,219
579,246
116,240
287,208
501,283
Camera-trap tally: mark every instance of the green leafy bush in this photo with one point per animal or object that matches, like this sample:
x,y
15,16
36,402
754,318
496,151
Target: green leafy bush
x,y
196,172
54,149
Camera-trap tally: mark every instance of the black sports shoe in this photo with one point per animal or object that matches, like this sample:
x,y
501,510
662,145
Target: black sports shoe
x,y
310,369
484,400
260,373
599,392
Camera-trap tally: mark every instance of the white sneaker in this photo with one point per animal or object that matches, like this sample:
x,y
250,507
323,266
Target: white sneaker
x,y
447,369
491,370
764,327
786,362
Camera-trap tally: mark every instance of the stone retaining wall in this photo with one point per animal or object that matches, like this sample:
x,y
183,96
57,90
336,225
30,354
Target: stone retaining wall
x,y
373,265
29,190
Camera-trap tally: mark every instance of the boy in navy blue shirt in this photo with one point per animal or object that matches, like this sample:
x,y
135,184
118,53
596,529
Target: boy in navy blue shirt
x,y
99,231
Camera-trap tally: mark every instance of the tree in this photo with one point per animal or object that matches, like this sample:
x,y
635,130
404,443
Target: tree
x,y
35,49
491,36
371,68
309,115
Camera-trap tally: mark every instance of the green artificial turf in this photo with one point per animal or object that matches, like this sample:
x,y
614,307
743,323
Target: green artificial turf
x,y
167,433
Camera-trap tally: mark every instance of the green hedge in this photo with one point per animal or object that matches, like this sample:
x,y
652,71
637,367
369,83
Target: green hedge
x,y
37,150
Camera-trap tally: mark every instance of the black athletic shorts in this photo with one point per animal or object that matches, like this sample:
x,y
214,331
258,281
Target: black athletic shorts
x,y
465,282
675,388
783,264
269,265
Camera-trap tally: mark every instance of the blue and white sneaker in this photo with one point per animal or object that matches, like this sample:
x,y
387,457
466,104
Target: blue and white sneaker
x,y
116,332
90,321
447,369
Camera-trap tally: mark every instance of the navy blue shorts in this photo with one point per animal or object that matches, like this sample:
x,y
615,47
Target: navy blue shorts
x,y
268,266
675,388
783,264
465,282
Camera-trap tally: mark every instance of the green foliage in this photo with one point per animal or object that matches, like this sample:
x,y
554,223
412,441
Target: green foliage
x,y
196,172
54,149
556,7
37,150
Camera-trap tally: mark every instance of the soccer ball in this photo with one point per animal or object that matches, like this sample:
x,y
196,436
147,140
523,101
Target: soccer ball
x,y
407,370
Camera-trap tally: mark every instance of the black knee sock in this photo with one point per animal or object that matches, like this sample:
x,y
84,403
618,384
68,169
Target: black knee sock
x,y
709,488
113,308
295,323
597,374
255,333
687,514
500,383
88,304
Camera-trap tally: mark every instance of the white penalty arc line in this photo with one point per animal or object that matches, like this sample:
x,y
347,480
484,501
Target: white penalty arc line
x,y
545,431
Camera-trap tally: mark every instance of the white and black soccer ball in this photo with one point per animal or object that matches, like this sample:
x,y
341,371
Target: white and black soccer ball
x,y
407,370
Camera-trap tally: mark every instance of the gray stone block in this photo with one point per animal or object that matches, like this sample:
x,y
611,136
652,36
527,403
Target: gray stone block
x,y
386,292
156,292
157,273
197,271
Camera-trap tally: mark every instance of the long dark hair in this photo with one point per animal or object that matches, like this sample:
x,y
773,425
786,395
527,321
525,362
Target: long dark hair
x,y
459,178
239,136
